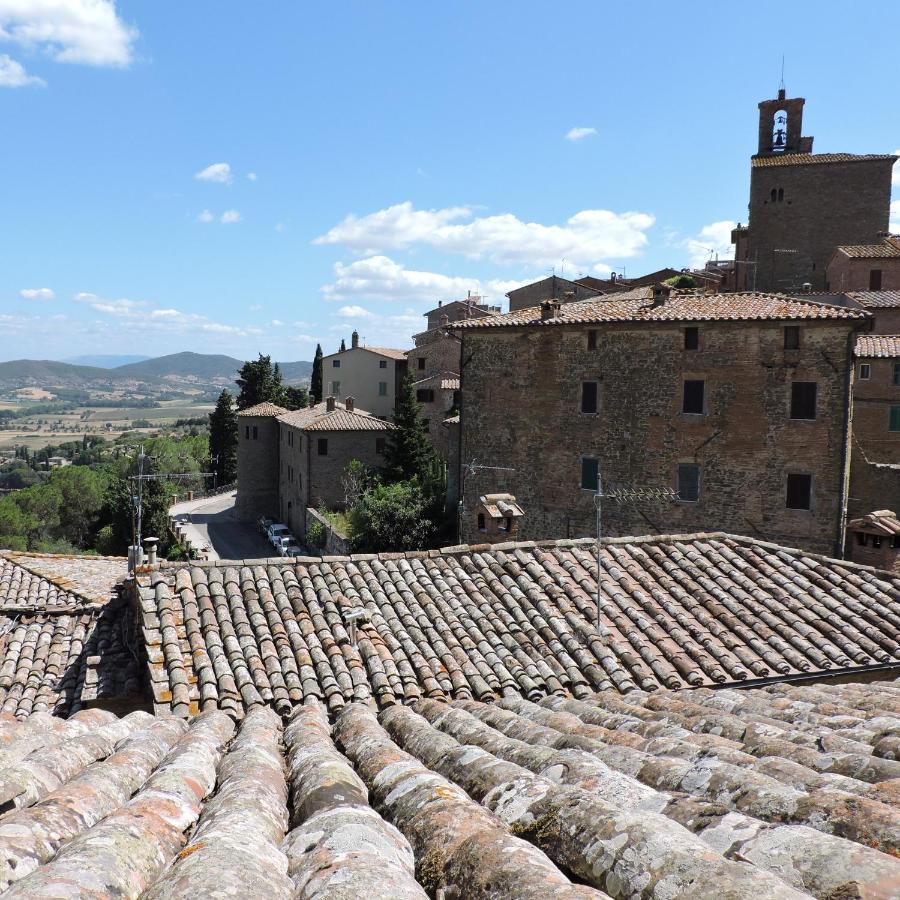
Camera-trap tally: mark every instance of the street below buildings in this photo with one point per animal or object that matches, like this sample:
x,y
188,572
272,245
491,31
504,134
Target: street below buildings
x,y
210,521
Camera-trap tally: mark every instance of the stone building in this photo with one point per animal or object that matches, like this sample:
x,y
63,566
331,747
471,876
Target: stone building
x,y
555,287
737,401
884,307
803,205
315,446
371,375
875,469
874,540
473,307
257,461
865,267
434,364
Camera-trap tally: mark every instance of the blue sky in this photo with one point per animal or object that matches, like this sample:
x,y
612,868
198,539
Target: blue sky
x,y
238,178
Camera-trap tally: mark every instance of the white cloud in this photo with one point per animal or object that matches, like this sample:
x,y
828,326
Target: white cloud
x,y
205,216
89,32
230,216
13,74
579,134
355,312
895,217
219,173
381,278
122,308
251,176
37,294
712,241
586,239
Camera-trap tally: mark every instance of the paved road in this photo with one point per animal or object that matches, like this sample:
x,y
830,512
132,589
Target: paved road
x,y
212,522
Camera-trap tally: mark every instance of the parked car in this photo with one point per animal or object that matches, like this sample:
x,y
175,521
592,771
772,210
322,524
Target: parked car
x,y
262,523
277,530
289,548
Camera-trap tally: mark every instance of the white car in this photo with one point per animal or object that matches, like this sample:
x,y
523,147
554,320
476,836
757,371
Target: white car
x,y
277,530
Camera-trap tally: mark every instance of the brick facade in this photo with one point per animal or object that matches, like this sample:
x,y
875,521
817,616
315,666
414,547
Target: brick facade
x,y
433,363
553,287
860,273
522,409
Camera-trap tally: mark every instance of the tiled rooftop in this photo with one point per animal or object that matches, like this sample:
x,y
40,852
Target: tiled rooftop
x,y
681,306
263,409
514,620
876,299
391,352
779,793
318,418
44,579
816,159
446,381
885,250
881,346
882,521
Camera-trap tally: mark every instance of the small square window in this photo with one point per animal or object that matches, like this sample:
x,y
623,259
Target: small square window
x,y
792,337
896,373
875,279
322,447
688,482
693,399
895,419
592,339
862,538
335,364
481,522
865,371
425,395
692,338
382,363
590,466
803,399
799,491
421,362
379,446
255,433
589,397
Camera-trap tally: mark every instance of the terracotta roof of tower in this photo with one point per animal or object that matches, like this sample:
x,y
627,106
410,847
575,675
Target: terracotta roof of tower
x,y
876,299
510,620
318,418
263,409
878,346
815,159
784,793
681,306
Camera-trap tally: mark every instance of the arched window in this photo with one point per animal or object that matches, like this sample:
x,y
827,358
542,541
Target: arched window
x,y
779,131
774,195
780,194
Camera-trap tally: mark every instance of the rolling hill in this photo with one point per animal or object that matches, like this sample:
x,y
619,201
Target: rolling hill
x,y
200,366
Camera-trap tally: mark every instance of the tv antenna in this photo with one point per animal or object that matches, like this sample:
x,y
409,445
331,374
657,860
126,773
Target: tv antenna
x,y
623,495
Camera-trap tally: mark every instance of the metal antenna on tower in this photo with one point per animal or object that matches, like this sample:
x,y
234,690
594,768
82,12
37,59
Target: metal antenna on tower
x,y
781,86
622,495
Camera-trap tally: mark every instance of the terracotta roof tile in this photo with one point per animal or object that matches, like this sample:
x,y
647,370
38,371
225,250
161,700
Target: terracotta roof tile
x,y
317,418
885,250
883,521
263,410
816,159
784,792
876,299
681,306
391,352
880,346
513,619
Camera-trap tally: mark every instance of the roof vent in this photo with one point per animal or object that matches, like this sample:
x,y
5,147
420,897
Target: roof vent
x,y
549,308
661,294
348,404
807,287
329,404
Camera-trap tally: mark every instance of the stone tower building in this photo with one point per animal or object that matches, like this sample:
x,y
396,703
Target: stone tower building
x,y
804,204
257,475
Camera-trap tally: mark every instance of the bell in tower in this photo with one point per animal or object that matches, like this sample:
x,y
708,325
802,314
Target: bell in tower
x,y
779,132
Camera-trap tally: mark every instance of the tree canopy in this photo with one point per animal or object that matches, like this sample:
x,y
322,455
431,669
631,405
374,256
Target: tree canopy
x,y
259,381
223,439
408,452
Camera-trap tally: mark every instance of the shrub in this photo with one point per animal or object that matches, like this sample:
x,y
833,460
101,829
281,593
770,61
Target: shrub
x,y
315,534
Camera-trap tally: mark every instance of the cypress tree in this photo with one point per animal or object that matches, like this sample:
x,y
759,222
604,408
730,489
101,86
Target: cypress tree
x,y
408,452
315,384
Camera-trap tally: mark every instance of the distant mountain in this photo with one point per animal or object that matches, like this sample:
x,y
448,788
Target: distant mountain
x,y
42,372
295,372
201,366
104,361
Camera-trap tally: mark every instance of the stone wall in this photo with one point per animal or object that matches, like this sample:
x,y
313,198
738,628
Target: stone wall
x,y
521,409
336,544
257,467
547,288
824,206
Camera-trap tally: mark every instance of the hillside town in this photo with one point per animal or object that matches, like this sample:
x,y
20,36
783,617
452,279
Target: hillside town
x,y
588,589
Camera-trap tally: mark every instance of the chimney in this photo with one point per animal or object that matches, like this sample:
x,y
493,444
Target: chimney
x,y
150,546
445,320
570,296
661,294
440,303
348,404
329,404
612,276
354,339
549,308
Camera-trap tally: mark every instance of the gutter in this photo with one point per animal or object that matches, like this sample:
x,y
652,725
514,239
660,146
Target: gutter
x,y
800,677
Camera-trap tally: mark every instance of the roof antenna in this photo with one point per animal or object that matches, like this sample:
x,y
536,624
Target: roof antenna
x,y
781,86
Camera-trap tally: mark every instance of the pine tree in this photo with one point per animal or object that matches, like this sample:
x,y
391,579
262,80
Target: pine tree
x,y
223,439
260,382
408,452
295,397
315,383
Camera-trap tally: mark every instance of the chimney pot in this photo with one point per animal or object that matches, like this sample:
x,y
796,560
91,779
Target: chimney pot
x,y
549,308
150,546
329,404
661,294
445,319
349,403
354,339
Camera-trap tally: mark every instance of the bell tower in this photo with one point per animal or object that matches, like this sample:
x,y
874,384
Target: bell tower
x,y
781,126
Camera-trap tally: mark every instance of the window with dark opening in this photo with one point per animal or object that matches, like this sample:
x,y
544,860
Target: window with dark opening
x,y
773,195
247,432
792,337
694,391
322,447
589,396
896,373
425,395
876,541
255,433
382,363
691,338
379,446
688,482
862,538
421,362
875,279
481,524
589,469
799,491
803,399
335,364
592,340
508,526
780,194
895,419
865,371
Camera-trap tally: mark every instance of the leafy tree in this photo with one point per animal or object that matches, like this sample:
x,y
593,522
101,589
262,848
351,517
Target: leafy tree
x,y
391,517
355,481
223,439
315,383
408,452
682,281
295,397
82,495
259,382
